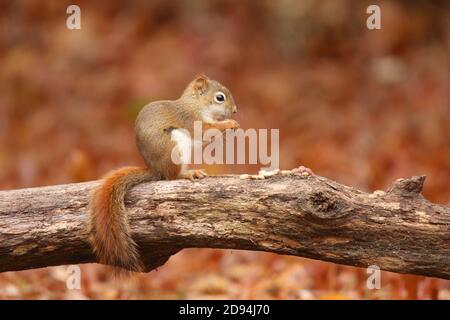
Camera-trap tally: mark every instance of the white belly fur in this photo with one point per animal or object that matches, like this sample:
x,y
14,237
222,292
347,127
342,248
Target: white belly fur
x,y
184,144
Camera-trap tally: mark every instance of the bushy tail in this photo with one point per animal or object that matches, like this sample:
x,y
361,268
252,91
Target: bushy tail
x,y
108,221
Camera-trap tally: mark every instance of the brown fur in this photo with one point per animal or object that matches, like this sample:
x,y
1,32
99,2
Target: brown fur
x,y
108,222
108,225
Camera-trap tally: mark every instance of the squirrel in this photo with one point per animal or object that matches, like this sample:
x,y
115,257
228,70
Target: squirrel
x,y
159,129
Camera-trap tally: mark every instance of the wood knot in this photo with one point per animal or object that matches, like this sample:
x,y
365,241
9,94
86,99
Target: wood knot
x,y
407,187
326,206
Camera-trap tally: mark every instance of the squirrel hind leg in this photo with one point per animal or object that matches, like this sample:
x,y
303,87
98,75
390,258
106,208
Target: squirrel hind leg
x,y
192,174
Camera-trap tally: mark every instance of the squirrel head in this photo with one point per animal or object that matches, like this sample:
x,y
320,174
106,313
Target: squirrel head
x,y
215,99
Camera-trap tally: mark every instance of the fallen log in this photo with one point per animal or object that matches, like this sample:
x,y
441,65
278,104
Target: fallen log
x,y
301,215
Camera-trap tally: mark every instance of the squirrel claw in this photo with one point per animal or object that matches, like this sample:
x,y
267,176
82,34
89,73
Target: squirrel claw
x,y
235,125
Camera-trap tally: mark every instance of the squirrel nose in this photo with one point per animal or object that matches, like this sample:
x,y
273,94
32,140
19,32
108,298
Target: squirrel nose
x,y
234,109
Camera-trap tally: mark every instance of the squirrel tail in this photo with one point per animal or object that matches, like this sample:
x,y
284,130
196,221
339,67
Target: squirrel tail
x,y
108,224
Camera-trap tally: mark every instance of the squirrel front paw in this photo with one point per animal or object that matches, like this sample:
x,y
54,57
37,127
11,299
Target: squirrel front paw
x,y
233,124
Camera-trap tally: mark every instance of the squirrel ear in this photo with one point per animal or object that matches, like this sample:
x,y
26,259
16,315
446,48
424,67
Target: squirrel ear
x,y
201,84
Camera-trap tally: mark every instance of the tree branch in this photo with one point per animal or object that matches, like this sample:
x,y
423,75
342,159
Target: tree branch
x,y
307,216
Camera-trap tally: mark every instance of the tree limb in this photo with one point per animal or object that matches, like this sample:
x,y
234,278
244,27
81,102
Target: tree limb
x,y
308,216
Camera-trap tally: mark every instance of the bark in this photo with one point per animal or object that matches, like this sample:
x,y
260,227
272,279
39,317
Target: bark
x,y
308,216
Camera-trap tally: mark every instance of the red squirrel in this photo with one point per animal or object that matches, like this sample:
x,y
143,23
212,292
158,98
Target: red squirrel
x,y
158,130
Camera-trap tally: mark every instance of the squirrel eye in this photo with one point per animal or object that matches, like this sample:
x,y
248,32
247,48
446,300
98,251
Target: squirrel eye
x,y
219,97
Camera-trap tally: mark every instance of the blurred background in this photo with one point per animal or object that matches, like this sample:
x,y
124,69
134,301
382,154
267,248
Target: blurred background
x,y
358,106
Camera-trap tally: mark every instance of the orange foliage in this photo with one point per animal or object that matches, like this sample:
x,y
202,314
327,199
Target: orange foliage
x,y
358,106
